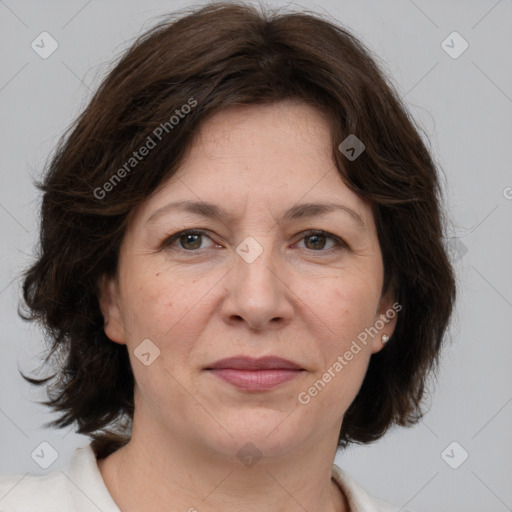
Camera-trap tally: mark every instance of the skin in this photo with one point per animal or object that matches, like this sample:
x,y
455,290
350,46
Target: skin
x,y
303,298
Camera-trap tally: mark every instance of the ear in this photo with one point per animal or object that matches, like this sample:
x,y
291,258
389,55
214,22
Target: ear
x,y
385,320
109,304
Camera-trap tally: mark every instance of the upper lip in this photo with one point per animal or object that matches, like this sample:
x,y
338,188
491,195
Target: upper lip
x,y
251,363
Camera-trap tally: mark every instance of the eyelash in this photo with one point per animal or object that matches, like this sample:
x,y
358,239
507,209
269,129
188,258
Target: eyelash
x,y
340,244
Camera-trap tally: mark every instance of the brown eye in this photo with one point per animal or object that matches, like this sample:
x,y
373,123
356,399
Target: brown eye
x,y
317,241
189,240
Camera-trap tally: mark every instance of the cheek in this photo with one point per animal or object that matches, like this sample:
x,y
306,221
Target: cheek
x,y
169,310
355,305
347,309
154,298
345,304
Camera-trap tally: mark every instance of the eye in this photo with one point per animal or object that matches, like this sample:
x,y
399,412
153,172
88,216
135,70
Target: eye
x,y
188,240
316,240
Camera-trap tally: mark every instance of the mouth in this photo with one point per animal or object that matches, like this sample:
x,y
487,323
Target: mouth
x,y
255,375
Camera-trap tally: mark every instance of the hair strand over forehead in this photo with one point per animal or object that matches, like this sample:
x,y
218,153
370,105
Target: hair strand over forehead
x,y
221,56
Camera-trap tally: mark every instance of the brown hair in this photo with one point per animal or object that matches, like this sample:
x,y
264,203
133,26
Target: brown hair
x,y
220,56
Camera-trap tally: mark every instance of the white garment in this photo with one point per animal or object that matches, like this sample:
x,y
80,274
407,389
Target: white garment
x,y
79,487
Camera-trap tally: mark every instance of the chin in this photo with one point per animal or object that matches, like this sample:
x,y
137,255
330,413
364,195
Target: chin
x,y
269,432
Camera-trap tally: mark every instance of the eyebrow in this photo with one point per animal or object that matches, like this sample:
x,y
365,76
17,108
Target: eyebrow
x,y
300,211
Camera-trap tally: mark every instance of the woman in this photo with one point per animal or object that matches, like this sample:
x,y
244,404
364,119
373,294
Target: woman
x,y
242,269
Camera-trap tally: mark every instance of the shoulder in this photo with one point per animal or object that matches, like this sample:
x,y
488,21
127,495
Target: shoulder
x,y
78,487
359,500
25,492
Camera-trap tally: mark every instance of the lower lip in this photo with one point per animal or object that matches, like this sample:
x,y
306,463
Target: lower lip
x,y
255,380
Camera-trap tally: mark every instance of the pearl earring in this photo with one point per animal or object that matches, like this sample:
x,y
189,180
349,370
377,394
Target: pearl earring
x,y
385,338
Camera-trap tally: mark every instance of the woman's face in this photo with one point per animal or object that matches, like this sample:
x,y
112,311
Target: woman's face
x,y
266,276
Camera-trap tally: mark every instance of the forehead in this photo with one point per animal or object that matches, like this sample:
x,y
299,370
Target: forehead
x,y
290,120
263,157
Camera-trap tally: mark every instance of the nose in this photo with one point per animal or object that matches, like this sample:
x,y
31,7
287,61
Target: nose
x,y
257,293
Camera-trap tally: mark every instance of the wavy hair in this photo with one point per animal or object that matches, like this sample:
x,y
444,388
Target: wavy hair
x,y
223,55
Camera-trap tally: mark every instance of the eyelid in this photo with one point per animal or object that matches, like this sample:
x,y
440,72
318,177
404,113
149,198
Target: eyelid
x,y
172,238
340,243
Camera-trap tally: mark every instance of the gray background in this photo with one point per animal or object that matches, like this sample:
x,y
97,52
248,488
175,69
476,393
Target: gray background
x,y
464,105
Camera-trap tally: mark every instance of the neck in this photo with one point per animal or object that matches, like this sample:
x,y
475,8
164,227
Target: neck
x,y
150,475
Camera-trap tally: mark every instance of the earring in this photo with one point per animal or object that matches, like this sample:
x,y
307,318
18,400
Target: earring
x,y
385,338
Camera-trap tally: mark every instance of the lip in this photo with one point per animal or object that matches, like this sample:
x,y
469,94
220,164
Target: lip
x,y
255,375
251,363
